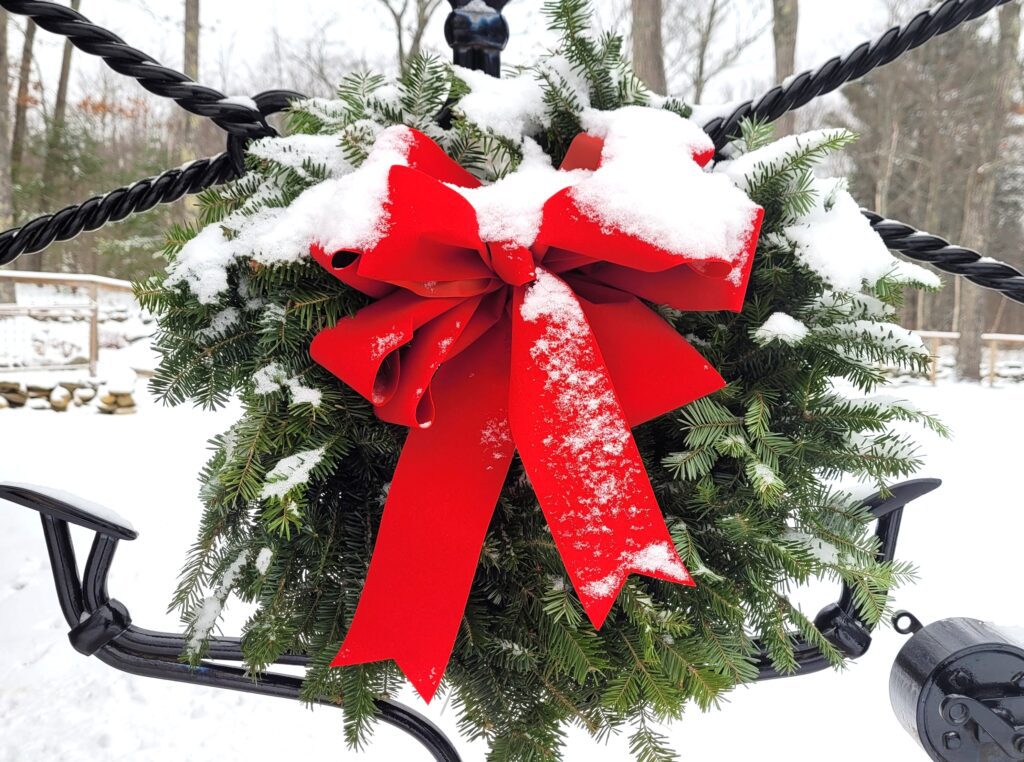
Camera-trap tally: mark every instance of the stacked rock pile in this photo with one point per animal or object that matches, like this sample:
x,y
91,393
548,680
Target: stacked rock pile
x,y
13,394
115,397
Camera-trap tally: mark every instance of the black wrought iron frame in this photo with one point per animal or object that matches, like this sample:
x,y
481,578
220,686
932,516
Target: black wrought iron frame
x,y
477,34
101,626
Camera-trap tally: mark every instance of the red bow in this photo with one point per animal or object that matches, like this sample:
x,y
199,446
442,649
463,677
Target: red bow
x,y
484,348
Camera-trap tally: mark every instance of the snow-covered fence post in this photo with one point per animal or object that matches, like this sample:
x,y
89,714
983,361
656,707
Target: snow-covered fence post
x,y
933,374
94,329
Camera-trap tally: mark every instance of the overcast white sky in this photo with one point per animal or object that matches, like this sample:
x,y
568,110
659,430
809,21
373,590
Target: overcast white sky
x,y
237,35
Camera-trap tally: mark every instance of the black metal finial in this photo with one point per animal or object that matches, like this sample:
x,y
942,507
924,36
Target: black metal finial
x,y
477,33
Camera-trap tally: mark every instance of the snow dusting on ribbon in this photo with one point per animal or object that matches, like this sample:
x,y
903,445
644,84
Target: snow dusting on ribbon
x,y
509,318
651,152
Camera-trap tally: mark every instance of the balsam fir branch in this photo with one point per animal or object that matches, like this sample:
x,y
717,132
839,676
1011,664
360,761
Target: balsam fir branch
x,y
743,477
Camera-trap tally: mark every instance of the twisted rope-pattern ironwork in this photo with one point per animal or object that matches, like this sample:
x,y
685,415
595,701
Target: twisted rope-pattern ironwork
x,y
116,205
140,196
799,90
244,123
231,116
944,256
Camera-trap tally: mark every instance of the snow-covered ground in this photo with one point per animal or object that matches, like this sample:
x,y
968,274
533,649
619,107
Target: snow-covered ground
x,y
58,705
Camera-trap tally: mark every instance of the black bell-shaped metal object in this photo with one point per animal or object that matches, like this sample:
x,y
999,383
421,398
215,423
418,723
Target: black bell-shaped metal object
x,y
477,33
958,687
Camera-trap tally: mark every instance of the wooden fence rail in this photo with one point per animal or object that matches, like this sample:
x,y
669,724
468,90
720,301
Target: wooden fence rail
x,y
92,285
992,341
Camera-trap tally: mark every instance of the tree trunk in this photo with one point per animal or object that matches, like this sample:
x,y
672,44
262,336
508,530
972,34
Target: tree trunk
x,y
648,50
21,105
424,11
190,64
54,138
191,55
27,261
6,185
977,221
969,307
784,28
932,218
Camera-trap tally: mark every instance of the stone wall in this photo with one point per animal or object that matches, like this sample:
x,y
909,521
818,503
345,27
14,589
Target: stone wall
x,y
114,398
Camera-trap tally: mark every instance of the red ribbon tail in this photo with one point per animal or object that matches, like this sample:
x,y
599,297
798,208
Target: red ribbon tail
x,y
657,559
440,503
577,448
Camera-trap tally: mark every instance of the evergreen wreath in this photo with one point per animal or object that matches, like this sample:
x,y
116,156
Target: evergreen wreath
x,y
294,491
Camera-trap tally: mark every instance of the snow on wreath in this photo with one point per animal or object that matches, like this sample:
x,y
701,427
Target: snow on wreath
x,y
684,351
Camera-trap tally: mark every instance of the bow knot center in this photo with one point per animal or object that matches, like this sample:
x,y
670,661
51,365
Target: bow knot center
x,y
512,263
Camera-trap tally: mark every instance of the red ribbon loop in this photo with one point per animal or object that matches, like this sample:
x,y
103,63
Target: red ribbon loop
x,y
483,348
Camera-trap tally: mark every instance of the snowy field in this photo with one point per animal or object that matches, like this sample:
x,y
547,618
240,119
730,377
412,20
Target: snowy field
x,y
57,705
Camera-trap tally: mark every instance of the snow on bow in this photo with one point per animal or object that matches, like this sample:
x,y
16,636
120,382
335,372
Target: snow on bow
x,y
509,318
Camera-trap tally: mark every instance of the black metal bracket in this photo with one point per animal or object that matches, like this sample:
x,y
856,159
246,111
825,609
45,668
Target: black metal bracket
x,y
839,621
959,710
101,626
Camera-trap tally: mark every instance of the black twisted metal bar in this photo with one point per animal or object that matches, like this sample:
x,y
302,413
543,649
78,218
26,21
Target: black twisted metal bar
x,y
942,255
142,195
236,118
244,123
114,206
799,90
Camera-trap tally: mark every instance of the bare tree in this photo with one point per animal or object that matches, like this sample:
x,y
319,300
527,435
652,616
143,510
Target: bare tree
x,y
695,51
190,64
648,48
410,21
6,184
55,133
981,188
22,102
309,64
785,21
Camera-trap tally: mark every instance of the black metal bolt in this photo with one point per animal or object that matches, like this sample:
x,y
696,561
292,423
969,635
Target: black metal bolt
x,y
960,680
951,740
958,714
1018,744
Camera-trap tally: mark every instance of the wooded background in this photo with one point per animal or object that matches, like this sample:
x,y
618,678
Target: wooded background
x,y
941,130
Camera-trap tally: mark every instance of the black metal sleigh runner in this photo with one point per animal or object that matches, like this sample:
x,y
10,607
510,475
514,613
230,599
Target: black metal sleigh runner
x,y
957,683
101,626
